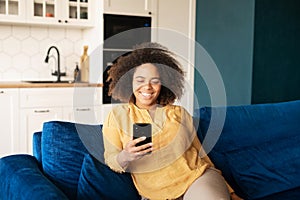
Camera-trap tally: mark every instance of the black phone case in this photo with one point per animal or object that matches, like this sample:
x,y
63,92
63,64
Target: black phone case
x,y
140,130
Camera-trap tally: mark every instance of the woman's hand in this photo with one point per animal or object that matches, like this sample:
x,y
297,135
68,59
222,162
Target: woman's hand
x,y
133,152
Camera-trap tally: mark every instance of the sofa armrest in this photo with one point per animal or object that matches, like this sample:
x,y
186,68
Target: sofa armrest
x,y
37,146
21,178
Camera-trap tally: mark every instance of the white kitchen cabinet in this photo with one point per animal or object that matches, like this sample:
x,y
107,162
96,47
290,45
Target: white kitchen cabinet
x,y
84,114
129,7
66,13
45,97
12,11
74,104
31,120
86,106
38,105
60,12
9,107
106,108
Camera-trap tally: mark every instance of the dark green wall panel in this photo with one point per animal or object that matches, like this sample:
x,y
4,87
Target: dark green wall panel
x,y
276,58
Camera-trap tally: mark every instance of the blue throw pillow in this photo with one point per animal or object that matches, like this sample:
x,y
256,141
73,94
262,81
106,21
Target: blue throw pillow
x,y
62,155
98,181
64,145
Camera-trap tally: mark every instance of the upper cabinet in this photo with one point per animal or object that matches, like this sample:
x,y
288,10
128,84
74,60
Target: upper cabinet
x,y
141,7
60,12
12,10
69,13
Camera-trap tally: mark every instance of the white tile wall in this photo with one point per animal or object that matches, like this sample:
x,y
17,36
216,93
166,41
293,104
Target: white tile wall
x,y
23,50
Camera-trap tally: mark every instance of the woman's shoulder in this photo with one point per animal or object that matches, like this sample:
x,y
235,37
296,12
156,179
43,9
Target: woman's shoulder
x,y
176,110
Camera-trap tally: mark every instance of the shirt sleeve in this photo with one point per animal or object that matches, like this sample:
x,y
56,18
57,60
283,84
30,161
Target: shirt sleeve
x,y
112,143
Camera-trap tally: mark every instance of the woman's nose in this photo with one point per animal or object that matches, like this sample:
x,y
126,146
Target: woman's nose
x,y
148,84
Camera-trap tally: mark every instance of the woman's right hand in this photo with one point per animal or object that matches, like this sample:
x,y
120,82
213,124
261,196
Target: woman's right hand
x,y
133,152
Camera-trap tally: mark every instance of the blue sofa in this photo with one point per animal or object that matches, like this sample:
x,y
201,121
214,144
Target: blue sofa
x,y
257,151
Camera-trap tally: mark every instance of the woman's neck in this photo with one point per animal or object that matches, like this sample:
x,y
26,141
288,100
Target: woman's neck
x,y
151,109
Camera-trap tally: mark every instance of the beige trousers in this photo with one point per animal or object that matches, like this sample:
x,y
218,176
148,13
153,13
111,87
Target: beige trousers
x,y
210,186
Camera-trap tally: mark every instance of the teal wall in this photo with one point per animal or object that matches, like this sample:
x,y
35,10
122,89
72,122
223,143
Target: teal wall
x,y
276,63
224,28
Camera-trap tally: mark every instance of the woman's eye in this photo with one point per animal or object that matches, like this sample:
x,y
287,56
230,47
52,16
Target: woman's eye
x,y
139,80
155,81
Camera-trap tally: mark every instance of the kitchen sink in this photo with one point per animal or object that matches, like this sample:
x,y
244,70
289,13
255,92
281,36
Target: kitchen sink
x,y
44,81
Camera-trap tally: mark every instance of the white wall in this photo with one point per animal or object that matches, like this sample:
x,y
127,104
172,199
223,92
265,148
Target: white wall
x,y
23,50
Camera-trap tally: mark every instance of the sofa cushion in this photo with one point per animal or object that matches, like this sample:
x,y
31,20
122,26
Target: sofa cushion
x,y
292,194
249,125
247,128
98,181
63,153
268,168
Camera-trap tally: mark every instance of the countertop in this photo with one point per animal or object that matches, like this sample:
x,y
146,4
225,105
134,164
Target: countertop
x,y
21,84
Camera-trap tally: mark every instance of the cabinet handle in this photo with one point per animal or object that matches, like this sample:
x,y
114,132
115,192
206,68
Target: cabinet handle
x,y
66,21
108,3
146,4
41,111
1,92
83,109
59,21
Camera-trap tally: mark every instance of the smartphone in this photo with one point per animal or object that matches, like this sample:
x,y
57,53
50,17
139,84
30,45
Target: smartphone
x,y
140,130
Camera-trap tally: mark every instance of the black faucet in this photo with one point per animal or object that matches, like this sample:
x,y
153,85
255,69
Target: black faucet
x,y
57,73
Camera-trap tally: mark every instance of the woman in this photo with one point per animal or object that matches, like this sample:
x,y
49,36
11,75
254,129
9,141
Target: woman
x,y
149,80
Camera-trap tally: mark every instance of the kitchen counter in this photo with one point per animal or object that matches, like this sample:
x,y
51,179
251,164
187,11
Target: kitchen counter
x,y
21,84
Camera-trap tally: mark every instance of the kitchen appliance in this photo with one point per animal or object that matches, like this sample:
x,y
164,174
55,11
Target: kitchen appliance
x,y
124,31
121,33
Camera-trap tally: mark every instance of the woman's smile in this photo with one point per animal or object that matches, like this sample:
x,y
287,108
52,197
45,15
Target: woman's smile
x,y
146,95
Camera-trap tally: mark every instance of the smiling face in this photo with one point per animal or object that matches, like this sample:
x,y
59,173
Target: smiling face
x,y
146,85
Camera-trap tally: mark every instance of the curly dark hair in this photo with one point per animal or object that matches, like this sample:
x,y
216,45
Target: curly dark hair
x,y
121,73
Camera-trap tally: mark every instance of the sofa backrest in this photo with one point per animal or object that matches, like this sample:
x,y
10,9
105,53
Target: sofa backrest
x,y
258,148
63,147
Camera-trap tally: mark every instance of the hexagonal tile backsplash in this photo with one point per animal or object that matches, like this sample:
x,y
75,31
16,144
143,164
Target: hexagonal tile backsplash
x,y
23,50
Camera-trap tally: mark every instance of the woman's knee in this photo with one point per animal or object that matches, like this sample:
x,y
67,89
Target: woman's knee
x,y
210,186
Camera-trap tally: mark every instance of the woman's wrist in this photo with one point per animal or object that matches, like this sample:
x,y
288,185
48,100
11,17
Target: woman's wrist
x,y
121,158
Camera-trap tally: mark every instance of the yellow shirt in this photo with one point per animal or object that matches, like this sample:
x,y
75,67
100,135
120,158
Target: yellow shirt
x,y
175,162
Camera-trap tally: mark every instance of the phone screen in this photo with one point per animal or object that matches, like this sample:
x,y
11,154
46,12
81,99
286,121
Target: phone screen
x,y
140,130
